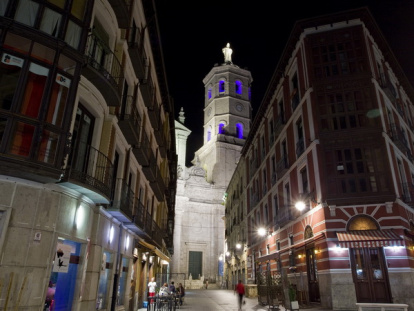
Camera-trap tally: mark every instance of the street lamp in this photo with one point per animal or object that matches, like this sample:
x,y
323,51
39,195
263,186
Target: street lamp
x,y
238,246
261,231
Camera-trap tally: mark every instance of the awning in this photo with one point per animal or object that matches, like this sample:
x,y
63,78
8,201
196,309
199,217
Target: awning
x,y
161,255
369,238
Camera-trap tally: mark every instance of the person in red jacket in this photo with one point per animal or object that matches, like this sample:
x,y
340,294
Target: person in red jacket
x,y
240,290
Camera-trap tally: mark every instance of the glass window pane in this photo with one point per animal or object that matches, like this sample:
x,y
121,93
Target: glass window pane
x,y
10,68
78,8
3,122
122,283
50,22
73,34
43,53
26,12
48,147
3,6
35,86
17,43
59,3
104,281
58,99
22,137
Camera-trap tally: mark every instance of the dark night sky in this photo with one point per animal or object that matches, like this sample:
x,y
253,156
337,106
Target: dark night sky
x,y
194,32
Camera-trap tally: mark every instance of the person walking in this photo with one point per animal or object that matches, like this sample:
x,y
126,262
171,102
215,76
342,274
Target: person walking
x,y
181,293
239,288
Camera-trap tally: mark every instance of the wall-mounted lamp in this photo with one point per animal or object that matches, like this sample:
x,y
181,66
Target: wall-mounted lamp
x,y
111,234
79,216
300,204
317,250
238,246
127,242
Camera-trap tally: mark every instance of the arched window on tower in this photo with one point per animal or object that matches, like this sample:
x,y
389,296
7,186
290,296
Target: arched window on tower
x,y
239,87
209,92
209,134
239,130
221,128
221,86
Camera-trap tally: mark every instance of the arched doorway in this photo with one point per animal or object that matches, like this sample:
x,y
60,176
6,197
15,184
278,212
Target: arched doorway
x,y
369,270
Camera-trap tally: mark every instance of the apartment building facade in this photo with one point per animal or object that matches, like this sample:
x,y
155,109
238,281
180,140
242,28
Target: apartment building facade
x,y
87,154
334,132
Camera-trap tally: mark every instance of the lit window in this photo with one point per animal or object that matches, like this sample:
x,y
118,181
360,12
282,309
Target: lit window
x,y
221,128
209,93
239,130
239,88
208,134
221,86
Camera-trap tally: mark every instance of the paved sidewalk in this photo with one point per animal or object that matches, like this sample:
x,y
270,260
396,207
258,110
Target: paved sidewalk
x,y
223,300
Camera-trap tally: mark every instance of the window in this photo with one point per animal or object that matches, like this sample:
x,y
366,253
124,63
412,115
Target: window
x,y
239,130
340,53
271,132
221,128
53,20
304,180
294,96
238,86
300,143
356,170
209,92
281,108
122,282
209,134
275,209
221,86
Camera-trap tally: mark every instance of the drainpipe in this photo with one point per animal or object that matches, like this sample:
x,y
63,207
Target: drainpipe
x,y
117,269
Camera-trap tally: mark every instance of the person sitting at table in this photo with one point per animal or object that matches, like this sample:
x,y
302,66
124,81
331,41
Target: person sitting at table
x,y
164,290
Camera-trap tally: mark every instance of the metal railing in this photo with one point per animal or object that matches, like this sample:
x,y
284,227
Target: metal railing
x,y
90,167
101,57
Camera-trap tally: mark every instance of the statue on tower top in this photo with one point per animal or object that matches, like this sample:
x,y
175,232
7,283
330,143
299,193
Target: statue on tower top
x,y
227,54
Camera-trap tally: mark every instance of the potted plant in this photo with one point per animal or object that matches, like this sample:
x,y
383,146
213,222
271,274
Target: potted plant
x,y
294,304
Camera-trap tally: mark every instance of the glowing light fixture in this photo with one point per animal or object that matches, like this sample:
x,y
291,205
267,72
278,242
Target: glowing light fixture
x,y
111,234
79,217
262,231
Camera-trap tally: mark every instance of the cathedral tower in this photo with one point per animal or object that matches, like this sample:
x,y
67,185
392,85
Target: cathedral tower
x,y
227,118
199,210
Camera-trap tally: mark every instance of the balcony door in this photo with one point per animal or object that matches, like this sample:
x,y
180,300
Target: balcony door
x,y
81,140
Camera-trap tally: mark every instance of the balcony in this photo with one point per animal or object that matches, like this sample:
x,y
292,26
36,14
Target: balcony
x,y
104,70
154,114
282,166
274,178
150,170
89,172
122,207
280,122
130,120
398,136
408,193
142,151
388,88
122,11
137,54
147,89
158,186
295,100
300,147
284,215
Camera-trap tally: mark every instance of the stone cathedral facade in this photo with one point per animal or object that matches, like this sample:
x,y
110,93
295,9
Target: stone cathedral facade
x,y
199,231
